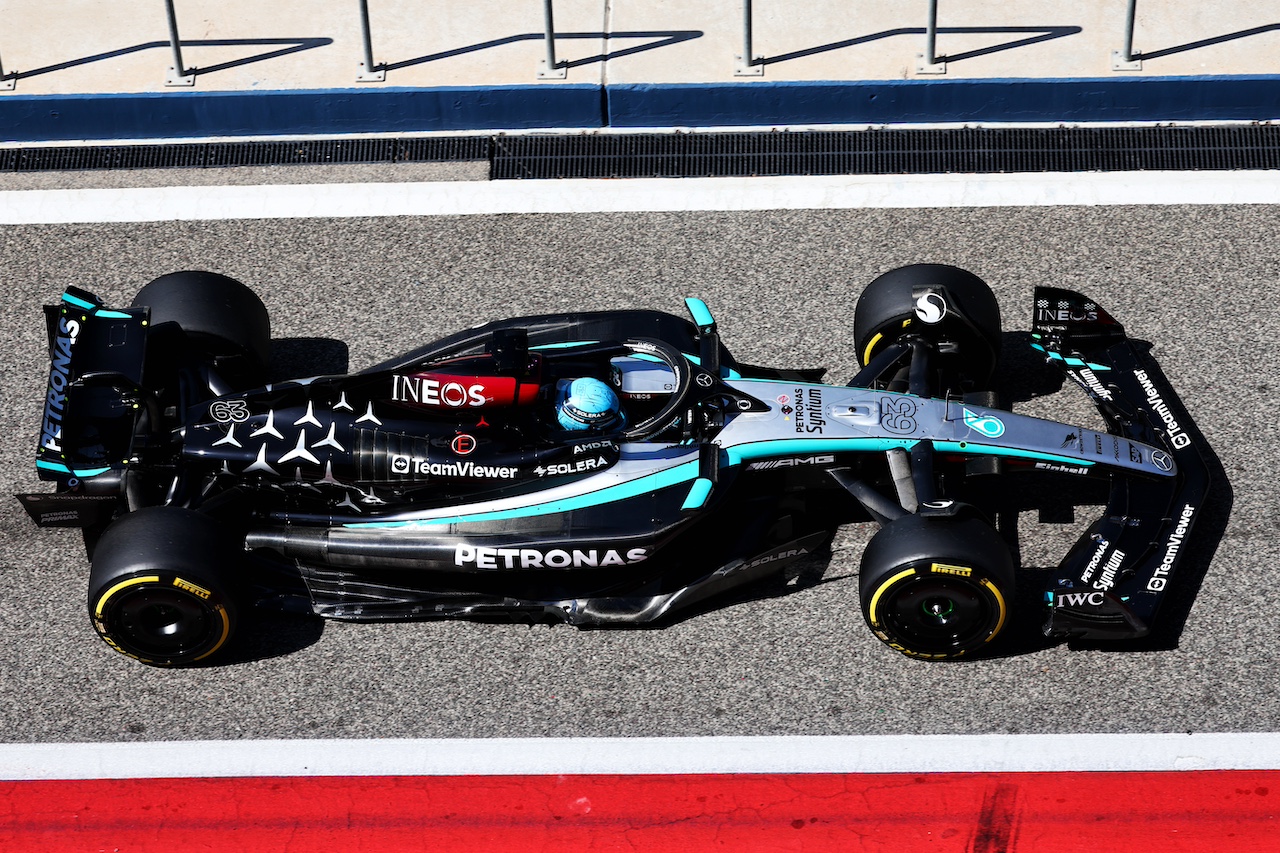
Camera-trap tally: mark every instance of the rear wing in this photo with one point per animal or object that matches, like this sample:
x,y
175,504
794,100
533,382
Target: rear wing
x,y
94,396
1112,582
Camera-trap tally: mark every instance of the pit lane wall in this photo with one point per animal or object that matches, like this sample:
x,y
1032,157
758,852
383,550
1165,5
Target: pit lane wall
x,y
110,71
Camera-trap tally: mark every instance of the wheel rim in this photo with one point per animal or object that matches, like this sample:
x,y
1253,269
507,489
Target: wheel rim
x,y
163,624
937,615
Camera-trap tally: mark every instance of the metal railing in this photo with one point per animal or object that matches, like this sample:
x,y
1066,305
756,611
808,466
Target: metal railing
x,y
747,62
178,74
7,81
1125,59
750,64
548,69
929,62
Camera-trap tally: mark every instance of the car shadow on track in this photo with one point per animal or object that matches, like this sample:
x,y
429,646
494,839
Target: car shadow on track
x,y
269,634
293,357
264,633
1056,500
1198,549
1023,376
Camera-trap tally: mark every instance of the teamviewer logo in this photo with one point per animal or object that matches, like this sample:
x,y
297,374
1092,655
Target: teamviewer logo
x,y
399,464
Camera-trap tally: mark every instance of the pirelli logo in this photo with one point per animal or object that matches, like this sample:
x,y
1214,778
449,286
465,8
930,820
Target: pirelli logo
x,y
944,569
191,588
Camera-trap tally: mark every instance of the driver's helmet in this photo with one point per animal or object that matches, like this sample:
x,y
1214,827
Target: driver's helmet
x,y
587,403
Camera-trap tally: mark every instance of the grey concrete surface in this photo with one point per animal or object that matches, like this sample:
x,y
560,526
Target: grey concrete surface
x,y
1198,282
367,173
236,45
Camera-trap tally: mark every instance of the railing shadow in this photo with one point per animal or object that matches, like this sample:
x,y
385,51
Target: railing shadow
x,y
1041,34
294,45
1196,45
665,38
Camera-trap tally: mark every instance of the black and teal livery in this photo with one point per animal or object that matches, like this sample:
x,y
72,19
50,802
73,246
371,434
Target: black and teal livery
x,y
439,484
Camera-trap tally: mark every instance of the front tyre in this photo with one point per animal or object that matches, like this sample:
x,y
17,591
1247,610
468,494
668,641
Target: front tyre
x,y
159,587
939,302
937,587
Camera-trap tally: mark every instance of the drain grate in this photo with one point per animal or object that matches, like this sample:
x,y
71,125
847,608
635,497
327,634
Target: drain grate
x,y
888,151
213,154
681,155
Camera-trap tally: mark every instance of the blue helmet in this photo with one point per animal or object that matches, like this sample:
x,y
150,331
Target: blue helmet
x,y
587,403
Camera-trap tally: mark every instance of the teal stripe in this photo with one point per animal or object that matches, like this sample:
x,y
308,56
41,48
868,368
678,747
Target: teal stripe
x,y
113,315
1079,362
725,372
701,313
59,468
1071,360
970,448
795,446
77,301
698,494
644,485
565,345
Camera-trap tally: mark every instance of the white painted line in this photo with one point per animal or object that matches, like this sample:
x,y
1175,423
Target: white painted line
x,y
643,756
463,198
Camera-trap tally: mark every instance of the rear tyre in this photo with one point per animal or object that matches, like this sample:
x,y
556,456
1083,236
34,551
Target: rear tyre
x,y
159,587
224,320
963,310
937,587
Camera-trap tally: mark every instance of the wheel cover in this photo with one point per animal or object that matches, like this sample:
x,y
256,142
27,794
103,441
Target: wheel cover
x,y
160,622
938,614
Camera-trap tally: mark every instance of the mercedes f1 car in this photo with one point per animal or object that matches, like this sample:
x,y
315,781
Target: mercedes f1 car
x,y
444,483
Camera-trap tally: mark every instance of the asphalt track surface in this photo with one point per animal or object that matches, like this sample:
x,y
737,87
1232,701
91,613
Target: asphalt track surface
x,y
1200,282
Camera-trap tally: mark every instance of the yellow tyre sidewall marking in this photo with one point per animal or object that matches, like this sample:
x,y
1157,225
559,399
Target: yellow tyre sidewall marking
x,y
871,345
1000,601
180,583
866,354
875,599
226,632
102,601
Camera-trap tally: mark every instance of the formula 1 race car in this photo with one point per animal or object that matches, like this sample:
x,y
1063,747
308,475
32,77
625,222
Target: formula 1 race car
x,y
593,468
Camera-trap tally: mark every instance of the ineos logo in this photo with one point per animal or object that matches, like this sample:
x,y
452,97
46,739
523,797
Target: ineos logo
x,y
931,308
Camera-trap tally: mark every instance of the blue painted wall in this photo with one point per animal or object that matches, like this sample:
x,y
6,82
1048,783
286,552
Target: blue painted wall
x,y
401,110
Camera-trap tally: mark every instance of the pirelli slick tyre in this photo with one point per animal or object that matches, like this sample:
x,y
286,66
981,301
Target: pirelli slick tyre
x,y
159,587
937,587
962,308
222,318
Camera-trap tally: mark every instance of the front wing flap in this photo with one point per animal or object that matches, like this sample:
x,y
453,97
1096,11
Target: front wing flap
x,y
1112,582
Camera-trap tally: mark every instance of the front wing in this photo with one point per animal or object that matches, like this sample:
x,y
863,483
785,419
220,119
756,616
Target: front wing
x,y
1112,582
